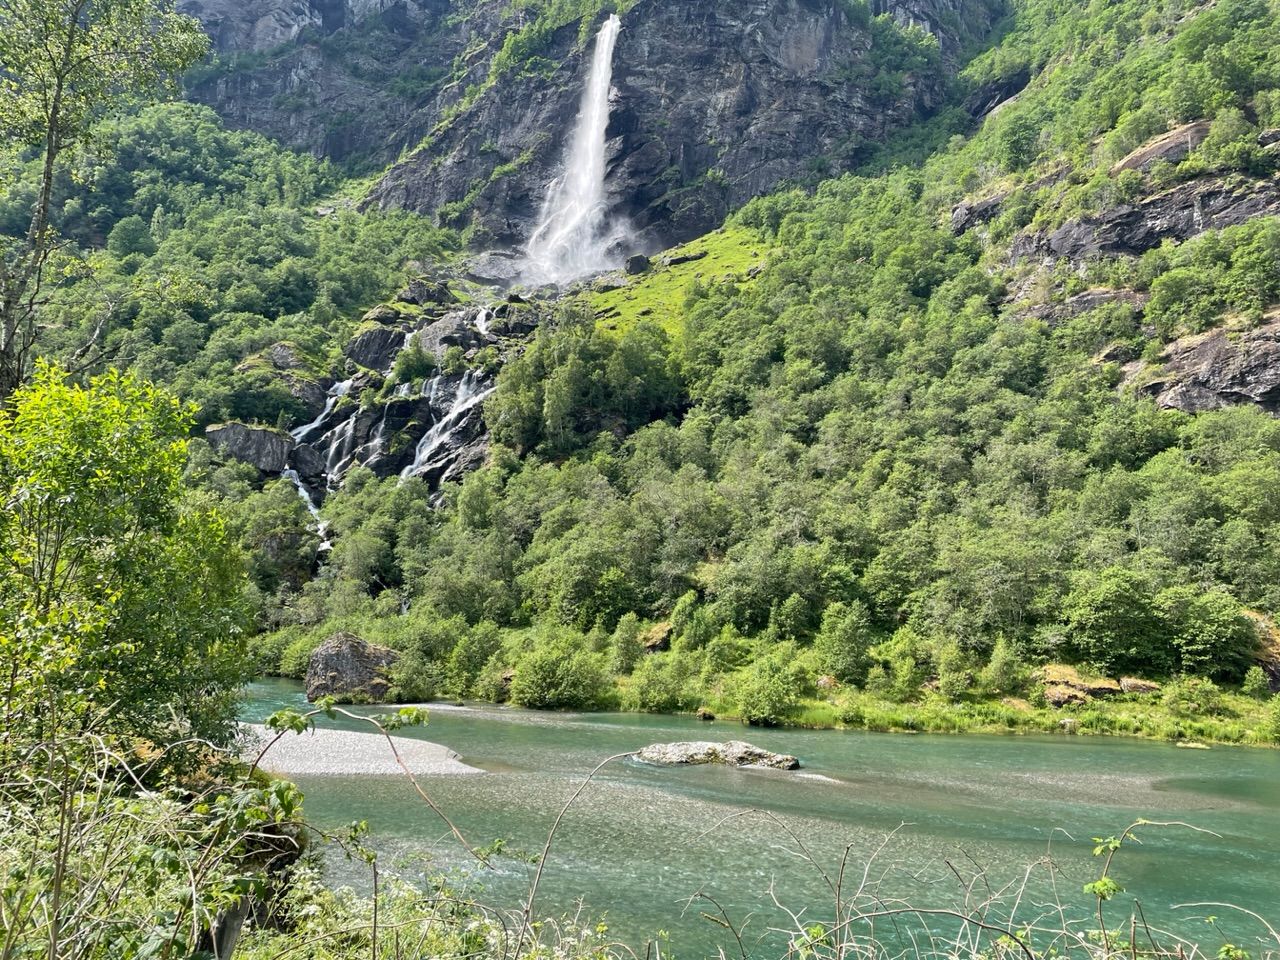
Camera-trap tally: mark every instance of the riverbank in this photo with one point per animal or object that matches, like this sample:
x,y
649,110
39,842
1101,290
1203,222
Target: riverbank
x,y
1235,719
327,752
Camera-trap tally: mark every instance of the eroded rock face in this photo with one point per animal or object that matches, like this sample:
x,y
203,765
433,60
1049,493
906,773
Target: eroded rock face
x,y
1187,210
1219,369
748,89
1172,147
734,753
349,669
263,447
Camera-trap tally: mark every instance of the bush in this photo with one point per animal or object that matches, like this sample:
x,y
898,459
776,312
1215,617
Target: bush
x,y
658,685
1271,726
1004,672
1192,697
1256,684
844,641
769,687
558,674
626,646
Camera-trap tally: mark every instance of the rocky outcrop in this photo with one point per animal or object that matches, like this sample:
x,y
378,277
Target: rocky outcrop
x,y
375,348
284,362
350,670
763,89
1219,369
1064,685
1189,209
1172,147
262,447
714,101
734,753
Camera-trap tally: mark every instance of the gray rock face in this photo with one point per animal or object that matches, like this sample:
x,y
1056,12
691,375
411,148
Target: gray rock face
x,y
734,753
376,348
1218,369
264,448
1185,211
350,670
714,102
1173,147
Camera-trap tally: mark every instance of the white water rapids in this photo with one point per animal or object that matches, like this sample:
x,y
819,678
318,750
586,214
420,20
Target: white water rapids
x,y
574,234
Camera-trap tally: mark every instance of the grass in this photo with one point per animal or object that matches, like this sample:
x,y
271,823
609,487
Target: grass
x,y
660,294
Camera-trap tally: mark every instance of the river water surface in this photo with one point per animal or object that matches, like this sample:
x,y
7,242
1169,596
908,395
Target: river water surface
x,y
642,840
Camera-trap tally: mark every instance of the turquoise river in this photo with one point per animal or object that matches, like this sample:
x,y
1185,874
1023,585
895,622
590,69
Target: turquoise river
x,y
932,815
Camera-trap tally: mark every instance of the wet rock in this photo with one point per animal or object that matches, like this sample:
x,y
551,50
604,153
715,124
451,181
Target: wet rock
x,y
308,461
1220,369
1172,147
263,447
1186,211
702,713
734,753
350,670
375,348
457,329
637,264
495,268
1270,137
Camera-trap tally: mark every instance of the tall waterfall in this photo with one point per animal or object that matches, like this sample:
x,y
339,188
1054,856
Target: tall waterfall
x,y
573,235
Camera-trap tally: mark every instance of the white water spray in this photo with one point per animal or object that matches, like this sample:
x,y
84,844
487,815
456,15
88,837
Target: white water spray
x,y
573,235
472,391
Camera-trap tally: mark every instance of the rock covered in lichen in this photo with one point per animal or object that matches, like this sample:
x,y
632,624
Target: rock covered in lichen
x,y
733,753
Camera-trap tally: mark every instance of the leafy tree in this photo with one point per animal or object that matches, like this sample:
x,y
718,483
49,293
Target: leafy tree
x,y
556,673
1209,630
123,598
1112,622
768,687
626,644
1256,684
843,643
64,65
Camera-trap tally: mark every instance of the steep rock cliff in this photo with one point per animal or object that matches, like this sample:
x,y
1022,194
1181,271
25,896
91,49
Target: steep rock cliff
x,y
714,101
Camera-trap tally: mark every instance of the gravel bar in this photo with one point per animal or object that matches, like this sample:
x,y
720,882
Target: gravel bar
x,y
340,753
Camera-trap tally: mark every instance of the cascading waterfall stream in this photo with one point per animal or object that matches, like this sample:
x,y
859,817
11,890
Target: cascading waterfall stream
x,y
574,235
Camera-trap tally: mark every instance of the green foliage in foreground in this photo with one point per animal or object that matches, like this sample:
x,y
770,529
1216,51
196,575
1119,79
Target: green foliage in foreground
x,y
115,587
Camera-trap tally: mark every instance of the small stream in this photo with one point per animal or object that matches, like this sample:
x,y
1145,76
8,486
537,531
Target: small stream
x,y
642,840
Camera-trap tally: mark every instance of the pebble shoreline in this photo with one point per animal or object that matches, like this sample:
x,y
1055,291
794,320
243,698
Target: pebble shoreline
x,y
337,753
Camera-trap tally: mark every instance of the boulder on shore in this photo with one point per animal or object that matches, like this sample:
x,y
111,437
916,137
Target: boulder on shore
x,y
734,753
350,669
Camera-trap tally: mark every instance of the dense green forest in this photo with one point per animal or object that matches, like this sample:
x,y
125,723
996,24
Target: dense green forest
x,y
876,460
878,469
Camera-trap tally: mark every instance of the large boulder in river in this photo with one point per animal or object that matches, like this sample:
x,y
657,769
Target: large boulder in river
x,y
263,447
734,753
351,670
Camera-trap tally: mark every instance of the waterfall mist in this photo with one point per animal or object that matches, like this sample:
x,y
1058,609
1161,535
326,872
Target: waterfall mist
x,y
574,235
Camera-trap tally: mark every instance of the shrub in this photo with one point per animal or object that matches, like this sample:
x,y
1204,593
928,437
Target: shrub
x,y
559,674
1004,672
626,646
1256,684
1192,697
769,687
844,641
